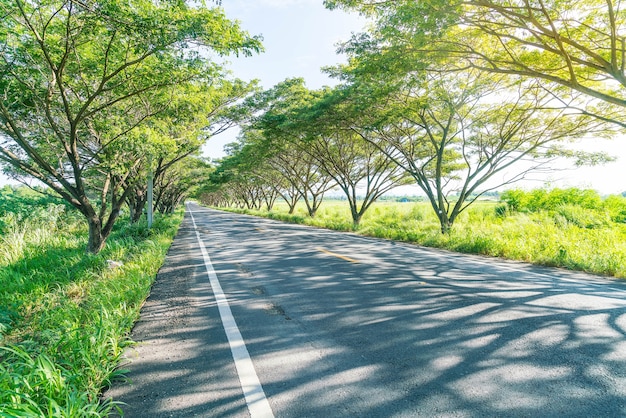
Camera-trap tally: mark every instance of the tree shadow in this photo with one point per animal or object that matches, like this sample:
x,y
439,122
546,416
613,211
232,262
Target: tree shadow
x,y
404,331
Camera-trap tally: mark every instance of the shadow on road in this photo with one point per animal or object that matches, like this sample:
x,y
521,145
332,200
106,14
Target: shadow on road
x,y
402,332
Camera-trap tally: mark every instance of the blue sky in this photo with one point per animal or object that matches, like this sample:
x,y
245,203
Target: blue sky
x,y
300,37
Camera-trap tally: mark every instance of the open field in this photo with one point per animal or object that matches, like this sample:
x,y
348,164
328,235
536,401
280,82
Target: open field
x,y
65,315
568,236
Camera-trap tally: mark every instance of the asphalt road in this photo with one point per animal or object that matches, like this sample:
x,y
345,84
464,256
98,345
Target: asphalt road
x,y
338,325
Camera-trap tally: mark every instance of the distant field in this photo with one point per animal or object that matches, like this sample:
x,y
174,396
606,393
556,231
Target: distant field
x,y
567,235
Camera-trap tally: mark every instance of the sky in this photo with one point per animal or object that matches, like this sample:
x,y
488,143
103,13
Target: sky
x,y
301,36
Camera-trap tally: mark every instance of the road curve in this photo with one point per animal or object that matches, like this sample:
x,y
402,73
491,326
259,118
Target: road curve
x,y
338,325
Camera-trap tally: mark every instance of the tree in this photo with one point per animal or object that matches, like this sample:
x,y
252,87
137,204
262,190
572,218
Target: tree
x,y
304,175
571,46
194,115
77,78
265,165
296,118
237,180
271,126
180,181
460,135
360,169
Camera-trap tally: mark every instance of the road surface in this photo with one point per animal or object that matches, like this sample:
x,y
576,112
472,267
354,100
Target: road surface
x,y
337,325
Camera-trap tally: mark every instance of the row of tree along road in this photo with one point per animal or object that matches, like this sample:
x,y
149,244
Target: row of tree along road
x,y
458,98
94,95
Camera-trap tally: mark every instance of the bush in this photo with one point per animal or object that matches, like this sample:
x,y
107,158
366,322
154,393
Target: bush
x,y
616,207
581,217
516,200
541,199
501,211
22,203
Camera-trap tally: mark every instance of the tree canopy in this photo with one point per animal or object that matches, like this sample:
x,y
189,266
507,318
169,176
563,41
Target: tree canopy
x,y
78,78
576,48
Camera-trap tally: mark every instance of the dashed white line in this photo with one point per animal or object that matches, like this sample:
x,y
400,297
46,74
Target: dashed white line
x,y
257,402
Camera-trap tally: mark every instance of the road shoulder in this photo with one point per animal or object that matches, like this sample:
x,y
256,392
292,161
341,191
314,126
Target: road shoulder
x,y
180,364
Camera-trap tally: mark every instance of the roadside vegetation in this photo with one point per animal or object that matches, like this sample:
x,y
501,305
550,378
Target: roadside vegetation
x,y
65,314
570,228
97,98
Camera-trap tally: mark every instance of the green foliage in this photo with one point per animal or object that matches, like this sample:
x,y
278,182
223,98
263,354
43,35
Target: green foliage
x,y
516,199
91,89
542,199
19,203
581,217
582,208
501,211
570,45
66,315
616,207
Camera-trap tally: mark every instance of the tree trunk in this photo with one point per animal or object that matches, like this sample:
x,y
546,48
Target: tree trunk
x,y
446,224
356,216
136,210
313,205
96,237
136,203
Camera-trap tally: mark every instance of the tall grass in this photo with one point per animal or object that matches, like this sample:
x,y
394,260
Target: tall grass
x,y
565,228
65,315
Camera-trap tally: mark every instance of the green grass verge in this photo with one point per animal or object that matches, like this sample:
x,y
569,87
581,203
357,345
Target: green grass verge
x,y
569,237
65,315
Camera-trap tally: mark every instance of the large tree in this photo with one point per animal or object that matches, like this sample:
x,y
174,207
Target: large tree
x,y
460,135
195,113
302,173
76,78
576,48
361,170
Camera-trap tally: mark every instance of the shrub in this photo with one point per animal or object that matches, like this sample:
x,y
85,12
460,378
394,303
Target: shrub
x,y
501,211
541,199
417,212
616,207
516,199
581,217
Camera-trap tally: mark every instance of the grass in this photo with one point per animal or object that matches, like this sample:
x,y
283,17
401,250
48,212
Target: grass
x,y
65,316
567,236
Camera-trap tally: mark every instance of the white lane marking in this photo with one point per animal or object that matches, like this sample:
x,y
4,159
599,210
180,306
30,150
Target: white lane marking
x,y
258,405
